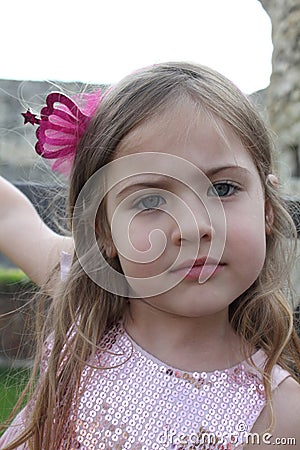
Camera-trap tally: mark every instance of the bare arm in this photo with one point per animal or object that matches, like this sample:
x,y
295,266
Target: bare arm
x,y
286,406
25,239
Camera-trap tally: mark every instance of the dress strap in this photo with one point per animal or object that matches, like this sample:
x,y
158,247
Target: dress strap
x,y
278,374
65,264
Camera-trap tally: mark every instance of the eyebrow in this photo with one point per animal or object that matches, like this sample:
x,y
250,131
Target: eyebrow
x,y
161,181
214,170
164,181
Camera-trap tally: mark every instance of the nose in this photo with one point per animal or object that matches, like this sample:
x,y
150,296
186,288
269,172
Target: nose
x,y
193,222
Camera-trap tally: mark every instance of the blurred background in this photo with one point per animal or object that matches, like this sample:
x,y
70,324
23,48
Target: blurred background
x,y
67,45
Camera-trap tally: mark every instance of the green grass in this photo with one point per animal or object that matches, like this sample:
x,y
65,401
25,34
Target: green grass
x,y
8,276
12,382
15,281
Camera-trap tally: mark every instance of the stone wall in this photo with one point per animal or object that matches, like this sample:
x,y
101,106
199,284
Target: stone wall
x,y
283,93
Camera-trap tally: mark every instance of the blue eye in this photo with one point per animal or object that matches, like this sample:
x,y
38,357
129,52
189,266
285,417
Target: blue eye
x,y
150,202
224,189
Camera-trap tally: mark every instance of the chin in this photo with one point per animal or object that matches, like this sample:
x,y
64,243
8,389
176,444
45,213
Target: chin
x,y
195,311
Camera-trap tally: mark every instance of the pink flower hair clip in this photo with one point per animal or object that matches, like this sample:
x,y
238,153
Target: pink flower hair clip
x,y
62,125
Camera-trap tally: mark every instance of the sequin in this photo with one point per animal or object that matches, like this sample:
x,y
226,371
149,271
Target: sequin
x,y
139,403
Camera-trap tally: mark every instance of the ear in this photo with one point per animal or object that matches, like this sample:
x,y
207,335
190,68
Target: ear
x,y
273,180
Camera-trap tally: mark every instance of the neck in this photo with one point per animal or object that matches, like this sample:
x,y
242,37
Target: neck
x,y
187,343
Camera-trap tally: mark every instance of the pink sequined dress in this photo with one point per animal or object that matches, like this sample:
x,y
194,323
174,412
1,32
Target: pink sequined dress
x,y
138,402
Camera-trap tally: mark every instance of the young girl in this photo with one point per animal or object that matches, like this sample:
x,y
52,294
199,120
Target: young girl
x,y
24,237
173,328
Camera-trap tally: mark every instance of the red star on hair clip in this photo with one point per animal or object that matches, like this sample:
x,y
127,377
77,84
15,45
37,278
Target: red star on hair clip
x,y
29,117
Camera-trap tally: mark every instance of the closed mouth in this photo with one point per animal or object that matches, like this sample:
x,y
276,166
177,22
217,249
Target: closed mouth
x,y
200,269
199,262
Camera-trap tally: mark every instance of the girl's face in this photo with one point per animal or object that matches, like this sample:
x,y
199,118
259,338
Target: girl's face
x,y
188,216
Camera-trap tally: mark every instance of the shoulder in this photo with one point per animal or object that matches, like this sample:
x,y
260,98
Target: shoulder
x,y
286,404
286,397
286,409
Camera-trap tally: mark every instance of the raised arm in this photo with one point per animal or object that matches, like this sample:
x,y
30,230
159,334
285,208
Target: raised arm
x,y
24,237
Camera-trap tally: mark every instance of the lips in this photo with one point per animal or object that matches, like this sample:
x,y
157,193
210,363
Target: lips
x,y
200,269
198,262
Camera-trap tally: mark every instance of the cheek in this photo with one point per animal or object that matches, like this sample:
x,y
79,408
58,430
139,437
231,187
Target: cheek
x,y
247,237
140,242
141,237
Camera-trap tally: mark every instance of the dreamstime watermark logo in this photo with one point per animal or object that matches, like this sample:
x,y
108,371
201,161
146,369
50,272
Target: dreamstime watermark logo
x,y
221,440
164,182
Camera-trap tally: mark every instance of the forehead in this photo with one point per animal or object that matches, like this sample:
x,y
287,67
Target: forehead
x,y
186,131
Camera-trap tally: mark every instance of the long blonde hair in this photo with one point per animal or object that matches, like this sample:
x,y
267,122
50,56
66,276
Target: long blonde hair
x,y
81,312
